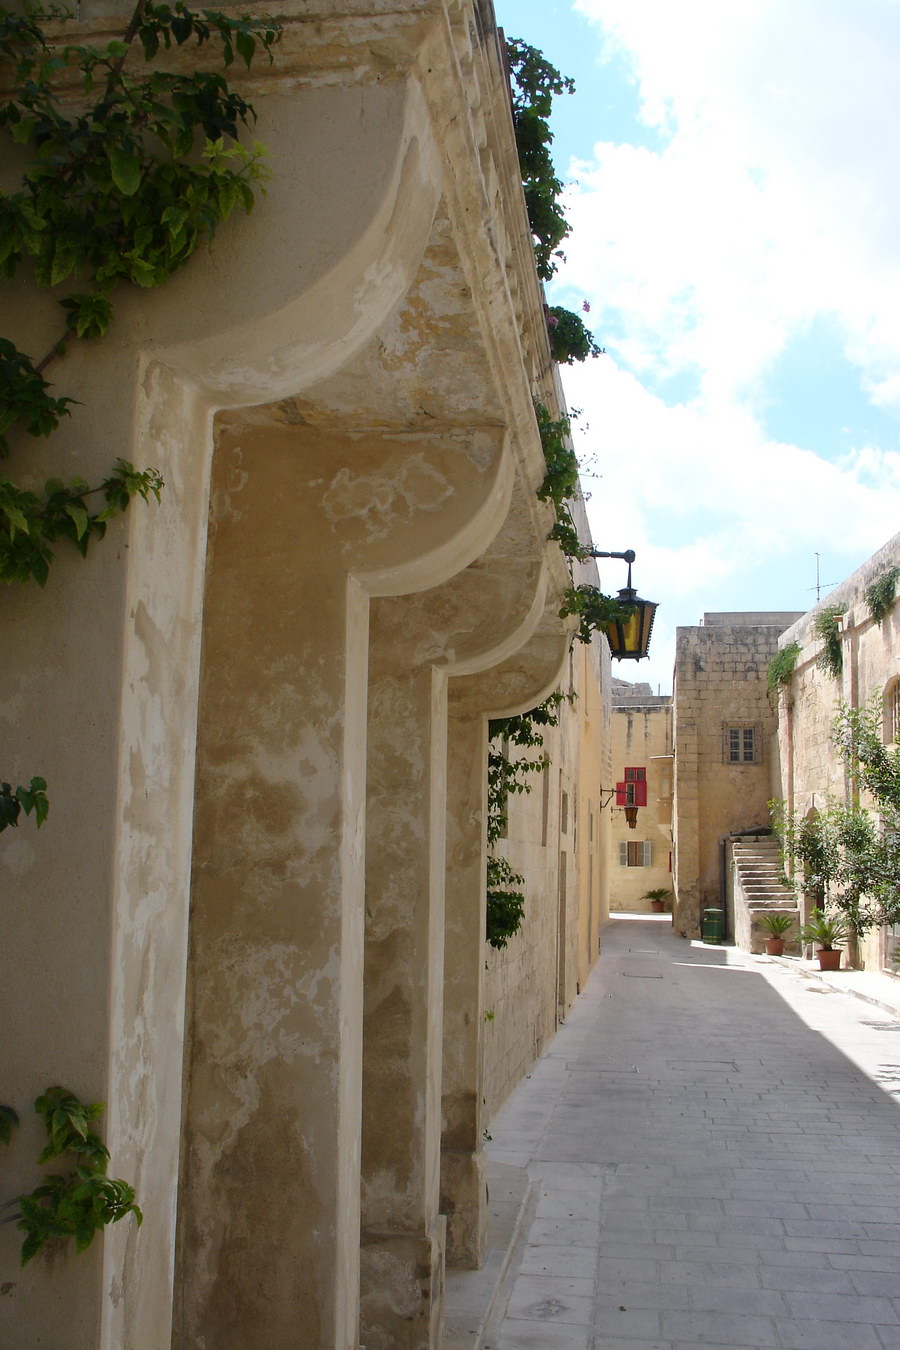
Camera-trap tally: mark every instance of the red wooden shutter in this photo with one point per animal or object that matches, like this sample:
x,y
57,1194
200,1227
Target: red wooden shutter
x,y
636,779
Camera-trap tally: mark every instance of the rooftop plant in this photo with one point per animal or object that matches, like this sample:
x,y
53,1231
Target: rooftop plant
x,y
570,338
535,83
781,667
827,628
880,595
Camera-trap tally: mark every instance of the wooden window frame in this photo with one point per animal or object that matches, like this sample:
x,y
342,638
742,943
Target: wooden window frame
x,y
741,731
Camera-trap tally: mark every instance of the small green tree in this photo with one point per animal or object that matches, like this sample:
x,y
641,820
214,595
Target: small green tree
x,y
848,857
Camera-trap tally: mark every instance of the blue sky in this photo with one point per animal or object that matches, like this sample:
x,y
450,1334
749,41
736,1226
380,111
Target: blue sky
x,y
734,189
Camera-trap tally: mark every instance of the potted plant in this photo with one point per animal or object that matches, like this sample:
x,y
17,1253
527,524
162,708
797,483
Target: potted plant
x,y
657,897
823,931
775,925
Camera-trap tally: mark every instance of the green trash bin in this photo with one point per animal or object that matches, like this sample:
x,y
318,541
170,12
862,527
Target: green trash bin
x,y
713,927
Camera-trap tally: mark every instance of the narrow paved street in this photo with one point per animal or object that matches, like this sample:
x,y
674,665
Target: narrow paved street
x,y
713,1142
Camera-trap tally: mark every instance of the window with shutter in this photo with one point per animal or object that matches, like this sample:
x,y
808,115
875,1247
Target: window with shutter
x,y
636,783
632,791
635,853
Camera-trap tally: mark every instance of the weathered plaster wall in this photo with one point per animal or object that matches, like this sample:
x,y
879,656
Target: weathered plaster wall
x,y
592,677
555,840
642,737
340,393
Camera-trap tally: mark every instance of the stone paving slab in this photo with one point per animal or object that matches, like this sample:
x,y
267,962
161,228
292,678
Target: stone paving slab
x,y
714,1159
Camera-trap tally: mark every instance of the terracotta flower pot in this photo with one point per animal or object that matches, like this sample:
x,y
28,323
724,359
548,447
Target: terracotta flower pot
x,y
829,958
657,906
774,946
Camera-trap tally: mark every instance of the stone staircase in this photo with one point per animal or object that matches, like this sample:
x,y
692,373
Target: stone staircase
x,y
758,886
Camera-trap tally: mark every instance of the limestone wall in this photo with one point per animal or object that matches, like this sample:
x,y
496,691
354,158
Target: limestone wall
x,y
720,689
594,767
253,925
557,841
811,773
641,735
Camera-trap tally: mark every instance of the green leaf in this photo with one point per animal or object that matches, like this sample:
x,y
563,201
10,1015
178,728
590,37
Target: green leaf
x,y
65,257
125,167
175,217
79,516
246,46
10,808
8,1121
149,42
182,27
17,520
31,1246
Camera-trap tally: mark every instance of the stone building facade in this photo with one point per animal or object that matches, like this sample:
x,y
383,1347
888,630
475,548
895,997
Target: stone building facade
x,y
254,923
641,858
725,749
811,774
558,839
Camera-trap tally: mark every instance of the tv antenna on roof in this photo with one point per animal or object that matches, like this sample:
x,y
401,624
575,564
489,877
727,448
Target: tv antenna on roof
x,y
819,584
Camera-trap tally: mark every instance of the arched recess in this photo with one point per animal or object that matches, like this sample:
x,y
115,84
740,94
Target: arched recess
x,y
809,899
516,684
283,299
487,612
174,363
335,326
369,484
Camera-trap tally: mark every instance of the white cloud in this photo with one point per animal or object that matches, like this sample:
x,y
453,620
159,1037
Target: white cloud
x,y
774,198
719,516
778,191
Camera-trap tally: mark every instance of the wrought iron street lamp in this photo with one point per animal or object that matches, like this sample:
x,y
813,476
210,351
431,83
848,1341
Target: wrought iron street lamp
x,y
617,792
629,638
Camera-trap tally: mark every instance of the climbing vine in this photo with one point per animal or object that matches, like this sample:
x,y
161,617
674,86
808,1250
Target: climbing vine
x,y
594,609
535,83
123,187
13,801
76,1203
511,774
781,667
125,175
